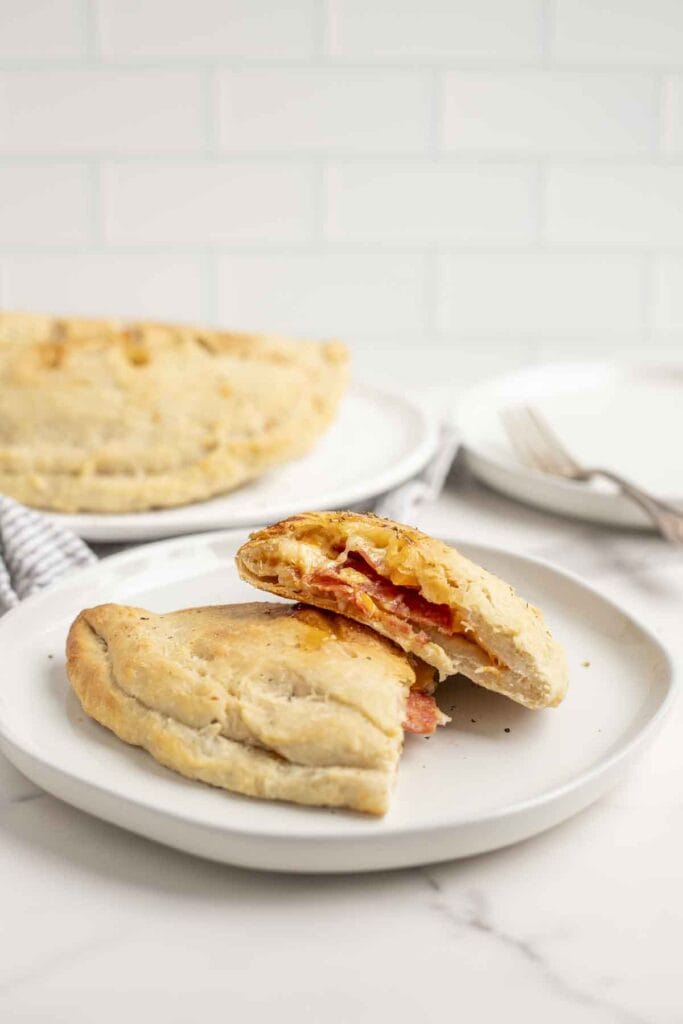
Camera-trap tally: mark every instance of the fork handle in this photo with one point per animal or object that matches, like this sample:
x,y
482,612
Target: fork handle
x,y
667,518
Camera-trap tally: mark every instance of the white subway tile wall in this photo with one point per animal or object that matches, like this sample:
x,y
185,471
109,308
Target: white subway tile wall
x,y
209,28
487,183
101,112
638,207
541,294
324,110
668,297
323,292
488,29
45,204
554,112
424,201
618,31
672,115
41,28
140,286
202,203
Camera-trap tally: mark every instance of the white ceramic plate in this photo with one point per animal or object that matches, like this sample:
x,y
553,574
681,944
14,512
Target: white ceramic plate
x,y
378,441
624,416
472,787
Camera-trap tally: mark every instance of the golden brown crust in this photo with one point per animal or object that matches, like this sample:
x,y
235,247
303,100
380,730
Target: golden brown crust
x,y
263,699
105,416
502,641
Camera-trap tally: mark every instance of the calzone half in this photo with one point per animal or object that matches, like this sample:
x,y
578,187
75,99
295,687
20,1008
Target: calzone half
x,y
108,416
265,699
417,591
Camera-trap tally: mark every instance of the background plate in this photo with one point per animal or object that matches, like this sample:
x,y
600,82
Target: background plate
x,y
623,416
378,441
471,787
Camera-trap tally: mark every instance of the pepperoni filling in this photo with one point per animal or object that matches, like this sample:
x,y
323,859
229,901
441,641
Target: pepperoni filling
x,y
411,613
422,714
405,603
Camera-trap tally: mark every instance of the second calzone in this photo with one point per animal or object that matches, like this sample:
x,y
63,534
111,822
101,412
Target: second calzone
x,y
419,592
269,700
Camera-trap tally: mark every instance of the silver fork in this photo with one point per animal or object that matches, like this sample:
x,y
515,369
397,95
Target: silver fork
x,y
538,445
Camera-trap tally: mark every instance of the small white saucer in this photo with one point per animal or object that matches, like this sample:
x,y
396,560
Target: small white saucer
x,y
627,417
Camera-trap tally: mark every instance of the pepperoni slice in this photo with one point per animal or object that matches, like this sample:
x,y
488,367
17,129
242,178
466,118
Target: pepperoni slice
x,y
422,714
404,602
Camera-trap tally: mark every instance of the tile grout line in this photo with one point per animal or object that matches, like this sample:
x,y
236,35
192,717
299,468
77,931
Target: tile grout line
x,y
210,110
90,29
210,290
438,114
97,206
96,61
663,120
450,159
541,205
327,29
547,31
323,205
435,280
355,247
647,298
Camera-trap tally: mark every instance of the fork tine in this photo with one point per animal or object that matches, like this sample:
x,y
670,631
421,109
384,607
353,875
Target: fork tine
x,y
552,443
532,444
519,436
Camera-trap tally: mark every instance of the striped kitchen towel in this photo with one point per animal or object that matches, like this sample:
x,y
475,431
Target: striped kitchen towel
x,y
34,552
401,503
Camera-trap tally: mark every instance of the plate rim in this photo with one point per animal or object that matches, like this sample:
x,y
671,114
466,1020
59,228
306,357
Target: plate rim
x,y
603,768
112,527
490,388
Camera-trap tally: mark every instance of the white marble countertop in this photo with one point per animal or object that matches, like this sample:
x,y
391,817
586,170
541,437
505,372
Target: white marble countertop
x,y
581,924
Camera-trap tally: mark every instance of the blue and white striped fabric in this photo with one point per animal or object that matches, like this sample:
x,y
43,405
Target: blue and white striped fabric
x,y
34,552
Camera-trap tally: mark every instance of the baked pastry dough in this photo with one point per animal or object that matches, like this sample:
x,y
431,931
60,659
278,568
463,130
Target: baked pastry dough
x,y
418,592
103,416
269,700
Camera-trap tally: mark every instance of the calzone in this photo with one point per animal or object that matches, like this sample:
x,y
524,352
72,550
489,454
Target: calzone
x,y
269,700
108,416
416,590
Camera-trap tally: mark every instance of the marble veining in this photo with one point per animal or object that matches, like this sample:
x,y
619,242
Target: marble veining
x,y
476,915
24,798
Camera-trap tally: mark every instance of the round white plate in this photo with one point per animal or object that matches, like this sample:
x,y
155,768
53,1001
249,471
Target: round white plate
x,y
472,787
379,440
624,416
